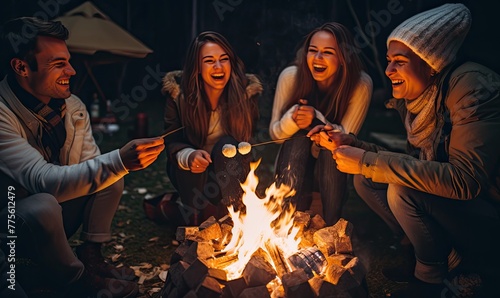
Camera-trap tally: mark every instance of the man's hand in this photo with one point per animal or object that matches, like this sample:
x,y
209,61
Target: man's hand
x,y
199,160
348,159
138,154
303,114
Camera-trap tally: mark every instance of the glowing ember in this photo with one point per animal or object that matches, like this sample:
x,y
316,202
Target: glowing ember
x,y
266,225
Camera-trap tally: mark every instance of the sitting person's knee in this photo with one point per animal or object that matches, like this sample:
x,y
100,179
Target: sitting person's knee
x,y
39,211
396,195
117,187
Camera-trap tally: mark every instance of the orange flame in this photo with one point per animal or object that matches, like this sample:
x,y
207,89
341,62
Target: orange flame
x,y
267,223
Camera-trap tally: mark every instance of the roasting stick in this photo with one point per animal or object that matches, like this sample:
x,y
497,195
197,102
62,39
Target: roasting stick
x,y
170,132
277,140
285,139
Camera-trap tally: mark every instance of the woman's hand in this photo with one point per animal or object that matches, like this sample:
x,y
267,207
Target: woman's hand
x,y
303,114
348,159
329,137
199,160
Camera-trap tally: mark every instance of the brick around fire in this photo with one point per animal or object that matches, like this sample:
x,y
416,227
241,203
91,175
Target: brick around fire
x,y
196,267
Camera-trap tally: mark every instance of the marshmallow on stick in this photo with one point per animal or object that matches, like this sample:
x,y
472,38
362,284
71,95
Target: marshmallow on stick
x,y
229,150
244,148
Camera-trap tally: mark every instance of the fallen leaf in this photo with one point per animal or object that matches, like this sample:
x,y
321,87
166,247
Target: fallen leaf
x,y
150,275
141,190
163,275
148,196
164,266
154,239
115,257
118,247
153,291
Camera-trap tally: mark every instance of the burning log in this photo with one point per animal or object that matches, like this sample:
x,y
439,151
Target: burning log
x,y
277,259
183,233
202,250
222,261
307,239
235,287
176,271
179,252
260,292
209,229
317,222
343,230
258,272
296,284
217,273
195,273
323,288
339,259
301,220
226,234
356,271
209,288
325,240
333,273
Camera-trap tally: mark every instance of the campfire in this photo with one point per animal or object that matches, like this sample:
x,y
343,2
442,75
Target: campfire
x,y
267,250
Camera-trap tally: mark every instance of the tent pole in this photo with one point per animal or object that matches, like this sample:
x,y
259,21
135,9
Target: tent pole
x,y
91,75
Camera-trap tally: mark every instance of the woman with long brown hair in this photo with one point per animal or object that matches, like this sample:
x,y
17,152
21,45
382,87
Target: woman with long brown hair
x,y
215,103
326,85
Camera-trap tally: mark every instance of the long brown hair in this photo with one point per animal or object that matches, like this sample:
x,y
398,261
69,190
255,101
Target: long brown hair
x,y
333,104
236,112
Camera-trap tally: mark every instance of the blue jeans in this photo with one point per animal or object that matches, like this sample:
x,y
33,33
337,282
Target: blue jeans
x,y
435,225
43,226
297,168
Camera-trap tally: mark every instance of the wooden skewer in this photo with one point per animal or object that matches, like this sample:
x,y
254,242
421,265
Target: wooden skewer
x,y
277,140
171,132
285,139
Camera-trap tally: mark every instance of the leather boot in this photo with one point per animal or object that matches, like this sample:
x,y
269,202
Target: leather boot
x,y
90,255
404,272
93,286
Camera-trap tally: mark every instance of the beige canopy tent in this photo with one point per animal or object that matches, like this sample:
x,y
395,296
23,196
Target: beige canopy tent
x,y
96,39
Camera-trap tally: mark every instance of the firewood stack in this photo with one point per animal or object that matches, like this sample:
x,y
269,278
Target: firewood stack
x,y
196,266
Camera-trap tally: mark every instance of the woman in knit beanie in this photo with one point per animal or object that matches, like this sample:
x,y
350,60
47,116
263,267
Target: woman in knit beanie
x,y
444,195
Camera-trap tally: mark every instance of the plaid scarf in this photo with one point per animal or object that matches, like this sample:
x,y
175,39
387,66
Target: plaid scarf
x,y
50,115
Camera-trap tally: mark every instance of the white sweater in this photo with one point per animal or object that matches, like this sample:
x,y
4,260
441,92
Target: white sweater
x,y
283,126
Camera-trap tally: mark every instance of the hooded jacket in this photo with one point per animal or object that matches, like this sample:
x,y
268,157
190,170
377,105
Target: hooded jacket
x,y
23,163
467,162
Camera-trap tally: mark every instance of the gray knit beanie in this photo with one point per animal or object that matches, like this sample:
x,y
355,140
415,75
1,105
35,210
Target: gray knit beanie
x,y
435,35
